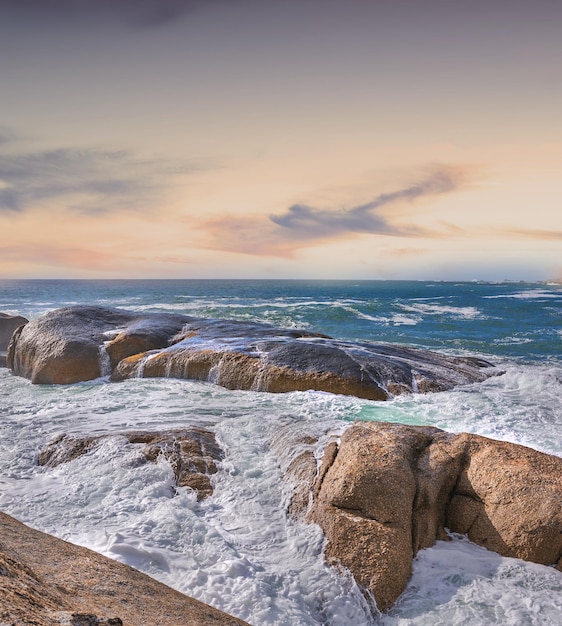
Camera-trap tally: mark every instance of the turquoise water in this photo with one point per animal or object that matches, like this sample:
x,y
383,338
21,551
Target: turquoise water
x,y
238,550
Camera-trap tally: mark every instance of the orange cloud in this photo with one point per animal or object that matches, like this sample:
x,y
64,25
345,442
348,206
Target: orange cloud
x,y
55,256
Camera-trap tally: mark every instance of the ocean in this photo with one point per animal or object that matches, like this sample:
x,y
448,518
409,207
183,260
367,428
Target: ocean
x,y
238,550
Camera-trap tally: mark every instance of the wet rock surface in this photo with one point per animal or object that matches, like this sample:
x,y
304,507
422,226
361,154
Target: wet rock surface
x,y
193,453
45,581
8,324
386,491
81,343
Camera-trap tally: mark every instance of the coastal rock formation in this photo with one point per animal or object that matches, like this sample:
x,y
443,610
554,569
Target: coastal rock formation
x,y
48,582
81,343
8,324
386,491
193,453
66,345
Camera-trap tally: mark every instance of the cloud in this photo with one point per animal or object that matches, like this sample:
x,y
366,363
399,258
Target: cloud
x,y
6,135
42,254
304,226
139,13
535,233
247,235
83,181
310,223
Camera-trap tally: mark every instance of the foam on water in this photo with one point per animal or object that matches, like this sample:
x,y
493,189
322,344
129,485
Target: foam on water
x,y
529,294
239,550
459,583
466,312
523,405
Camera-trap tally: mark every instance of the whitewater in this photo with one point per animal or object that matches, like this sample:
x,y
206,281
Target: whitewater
x,y
239,550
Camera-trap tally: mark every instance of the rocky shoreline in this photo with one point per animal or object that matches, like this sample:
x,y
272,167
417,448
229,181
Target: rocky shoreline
x,y
380,493
45,581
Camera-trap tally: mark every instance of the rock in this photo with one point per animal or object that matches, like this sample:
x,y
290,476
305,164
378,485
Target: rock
x,y
509,499
78,343
388,490
8,324
64,346
193,453
48,582
295,446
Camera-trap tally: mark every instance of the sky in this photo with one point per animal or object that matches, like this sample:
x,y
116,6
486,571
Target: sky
x,y
345,139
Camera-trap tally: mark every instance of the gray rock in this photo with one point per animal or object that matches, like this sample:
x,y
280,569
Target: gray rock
x,y
77,343
8,324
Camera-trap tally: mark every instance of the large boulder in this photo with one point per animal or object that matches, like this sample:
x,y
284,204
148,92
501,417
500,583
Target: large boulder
x,y
385,491
193,453
67,345
8,324
82,343
48,582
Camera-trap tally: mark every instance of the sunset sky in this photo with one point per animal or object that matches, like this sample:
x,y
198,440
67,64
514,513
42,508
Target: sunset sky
x,y
365,139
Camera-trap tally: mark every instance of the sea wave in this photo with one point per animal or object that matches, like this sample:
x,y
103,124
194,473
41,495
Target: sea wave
x,y
462,312
528,294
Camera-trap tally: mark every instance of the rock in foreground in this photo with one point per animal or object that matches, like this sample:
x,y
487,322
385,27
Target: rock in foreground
x,y
48,582
387,490
81,343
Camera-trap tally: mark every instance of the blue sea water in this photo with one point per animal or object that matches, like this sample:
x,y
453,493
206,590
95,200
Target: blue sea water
x,y
238,550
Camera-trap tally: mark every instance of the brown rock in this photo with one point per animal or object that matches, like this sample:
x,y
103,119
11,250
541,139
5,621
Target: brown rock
x,y
193,453
45,581
389,490
509,499
64,346
71,344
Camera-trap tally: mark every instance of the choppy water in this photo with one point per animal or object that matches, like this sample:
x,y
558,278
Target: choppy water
x,y
238,550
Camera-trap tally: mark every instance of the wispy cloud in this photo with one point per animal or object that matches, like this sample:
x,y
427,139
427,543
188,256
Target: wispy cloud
x,y
137,13
310,223
536,233
57,256
83,181
303,225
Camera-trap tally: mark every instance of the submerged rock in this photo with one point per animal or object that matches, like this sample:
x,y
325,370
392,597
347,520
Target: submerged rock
x,y
386,491
81,343
49,582
193,453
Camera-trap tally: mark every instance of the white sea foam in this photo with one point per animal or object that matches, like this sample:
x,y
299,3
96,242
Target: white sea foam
x,y
458,582
512,340
239,550
529,294
463,312
396,320
234,303
105,361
